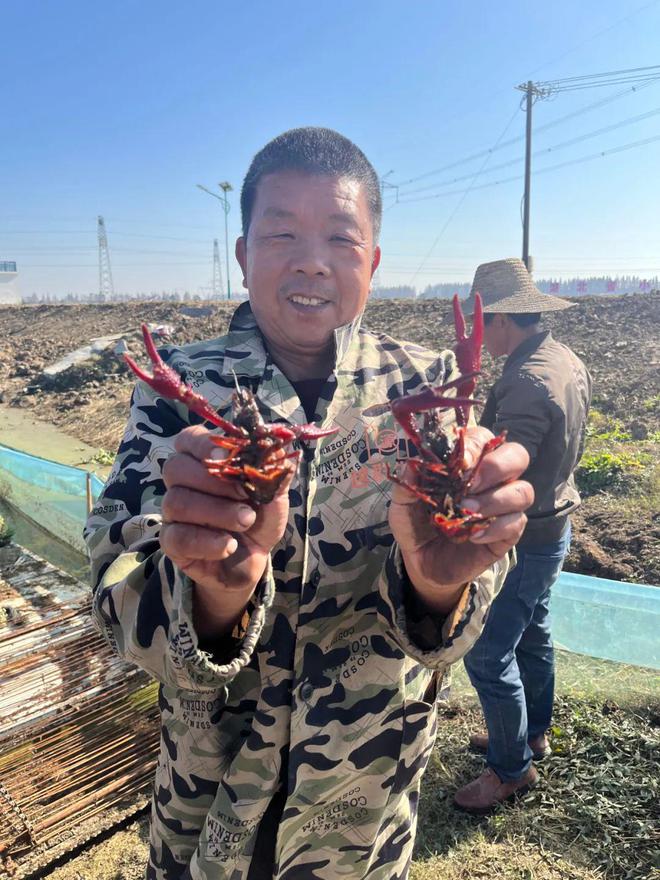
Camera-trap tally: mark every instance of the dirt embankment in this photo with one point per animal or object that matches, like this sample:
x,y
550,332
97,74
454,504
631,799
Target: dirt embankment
x,y
616,535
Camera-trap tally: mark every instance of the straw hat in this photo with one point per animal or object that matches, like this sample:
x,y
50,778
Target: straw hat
x,y
507,287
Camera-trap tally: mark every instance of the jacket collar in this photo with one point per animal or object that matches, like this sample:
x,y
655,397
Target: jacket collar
x,y
247,355
527,347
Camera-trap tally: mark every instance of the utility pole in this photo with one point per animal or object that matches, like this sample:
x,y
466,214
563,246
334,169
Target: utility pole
x,y
536,90
226,187
533,92
106,286
528,172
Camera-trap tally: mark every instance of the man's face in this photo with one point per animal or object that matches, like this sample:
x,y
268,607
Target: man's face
x,y
494,336
308,258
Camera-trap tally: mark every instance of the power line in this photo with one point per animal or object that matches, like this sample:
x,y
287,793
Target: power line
x,y
582,159
534,92
36,249
594,36
113,220
580,112
460,202
117,265
583,137
594,85
489,98
87,232
592,80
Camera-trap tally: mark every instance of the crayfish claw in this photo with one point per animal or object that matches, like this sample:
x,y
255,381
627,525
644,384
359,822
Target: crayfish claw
x,y
167,382
477,335
459,319
258,457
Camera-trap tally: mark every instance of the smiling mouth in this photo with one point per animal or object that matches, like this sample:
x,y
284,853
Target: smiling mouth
x,y
301,300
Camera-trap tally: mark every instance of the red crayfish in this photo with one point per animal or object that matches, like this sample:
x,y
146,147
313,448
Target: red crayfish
x,y
257,455
441,478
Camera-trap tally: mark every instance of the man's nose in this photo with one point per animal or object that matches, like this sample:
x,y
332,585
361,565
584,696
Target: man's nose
x,y
311,258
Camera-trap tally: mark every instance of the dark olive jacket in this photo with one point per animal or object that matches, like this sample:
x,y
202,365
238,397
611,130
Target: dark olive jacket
x,y
542,400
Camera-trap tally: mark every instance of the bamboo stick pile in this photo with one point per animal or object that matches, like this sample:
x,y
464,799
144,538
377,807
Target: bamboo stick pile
x,y
78,726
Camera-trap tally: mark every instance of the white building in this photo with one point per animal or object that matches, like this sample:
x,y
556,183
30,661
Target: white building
x,y
9,294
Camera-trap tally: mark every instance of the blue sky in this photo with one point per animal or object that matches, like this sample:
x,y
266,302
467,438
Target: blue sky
x,y
120,109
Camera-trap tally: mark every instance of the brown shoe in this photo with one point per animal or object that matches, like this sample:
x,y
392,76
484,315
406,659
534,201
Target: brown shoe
x,y
488,790
538,744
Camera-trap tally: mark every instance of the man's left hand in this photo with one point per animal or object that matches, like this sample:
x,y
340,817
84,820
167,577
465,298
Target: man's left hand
x,y
437,567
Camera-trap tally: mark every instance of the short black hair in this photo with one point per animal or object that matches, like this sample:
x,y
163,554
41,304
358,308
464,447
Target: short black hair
x,y
317,151
526,319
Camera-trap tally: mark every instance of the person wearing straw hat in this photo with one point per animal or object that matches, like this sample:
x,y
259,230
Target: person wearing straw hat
x,y
541,400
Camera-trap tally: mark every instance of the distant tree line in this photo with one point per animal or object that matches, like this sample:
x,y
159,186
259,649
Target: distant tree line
x,y
596,284
572,287
154,295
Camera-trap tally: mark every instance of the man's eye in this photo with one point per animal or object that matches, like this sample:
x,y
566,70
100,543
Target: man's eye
x,y
282,235
343,238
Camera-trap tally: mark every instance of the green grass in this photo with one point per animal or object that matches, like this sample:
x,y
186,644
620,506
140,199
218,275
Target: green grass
x,y
652,403
593,815
104,457
606,428
602,470
616,464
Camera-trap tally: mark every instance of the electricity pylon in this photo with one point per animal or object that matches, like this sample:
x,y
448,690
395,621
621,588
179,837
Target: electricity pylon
x,y
217,271
106,286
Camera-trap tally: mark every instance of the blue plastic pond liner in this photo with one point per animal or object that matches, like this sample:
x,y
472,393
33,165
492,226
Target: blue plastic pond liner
x,y
53,495
613,620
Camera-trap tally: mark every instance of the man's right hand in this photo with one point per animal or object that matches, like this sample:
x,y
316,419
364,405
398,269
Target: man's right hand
x,y
212,534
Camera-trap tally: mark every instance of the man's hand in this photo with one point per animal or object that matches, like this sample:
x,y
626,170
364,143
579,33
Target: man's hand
x,y
437,567
213,535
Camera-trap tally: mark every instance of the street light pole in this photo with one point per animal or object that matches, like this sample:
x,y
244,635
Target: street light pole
x,y
226,187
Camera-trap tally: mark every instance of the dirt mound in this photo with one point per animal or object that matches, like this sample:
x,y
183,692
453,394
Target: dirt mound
x,y
617,337
618,544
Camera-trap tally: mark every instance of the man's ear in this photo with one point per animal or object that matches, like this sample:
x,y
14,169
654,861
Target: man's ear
x,y
375,263
241,256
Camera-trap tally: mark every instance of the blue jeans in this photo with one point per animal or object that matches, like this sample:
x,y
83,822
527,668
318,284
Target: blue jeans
x,y
511,666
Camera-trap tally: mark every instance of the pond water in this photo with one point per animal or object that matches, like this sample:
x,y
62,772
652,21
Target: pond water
x,y
31,536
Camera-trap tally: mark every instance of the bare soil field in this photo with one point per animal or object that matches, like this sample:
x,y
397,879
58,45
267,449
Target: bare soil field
x,y
617,529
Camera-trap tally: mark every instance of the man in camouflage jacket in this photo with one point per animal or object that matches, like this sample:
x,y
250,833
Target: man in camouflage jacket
x,y
298,648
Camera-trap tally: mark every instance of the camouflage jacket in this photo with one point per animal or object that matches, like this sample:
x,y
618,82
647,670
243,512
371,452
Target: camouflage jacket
x,y
337,671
